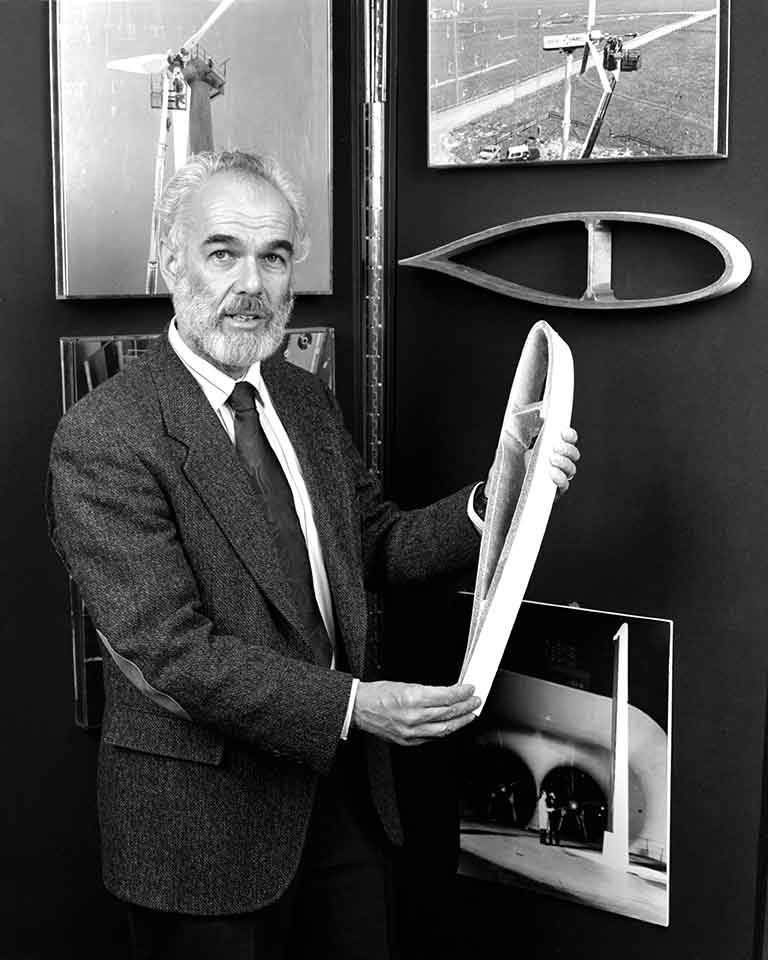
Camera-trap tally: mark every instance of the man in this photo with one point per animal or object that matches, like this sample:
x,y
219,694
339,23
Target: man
x,y
554,817
223,532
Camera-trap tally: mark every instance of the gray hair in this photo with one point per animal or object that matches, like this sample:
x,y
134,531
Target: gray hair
x,y
173,204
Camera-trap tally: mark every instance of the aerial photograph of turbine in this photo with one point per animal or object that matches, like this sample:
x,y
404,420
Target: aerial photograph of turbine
x,y
531,81
140,85
566,773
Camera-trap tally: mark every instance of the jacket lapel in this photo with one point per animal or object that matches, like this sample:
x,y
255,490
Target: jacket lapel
x,y
213,468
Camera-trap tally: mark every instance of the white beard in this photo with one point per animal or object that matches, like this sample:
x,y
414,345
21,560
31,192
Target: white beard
x,y
201,326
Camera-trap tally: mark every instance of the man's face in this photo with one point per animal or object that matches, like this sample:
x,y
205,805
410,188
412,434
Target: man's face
x,y
231,282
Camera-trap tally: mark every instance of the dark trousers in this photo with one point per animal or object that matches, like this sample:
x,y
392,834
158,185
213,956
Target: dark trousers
x,y
340,904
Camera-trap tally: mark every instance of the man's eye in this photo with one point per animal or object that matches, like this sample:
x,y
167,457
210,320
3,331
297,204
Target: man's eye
x,y
221,255
274,259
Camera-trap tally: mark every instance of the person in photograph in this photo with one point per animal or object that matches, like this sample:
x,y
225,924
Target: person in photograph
x,y
549,813
211,506
554,814
542,815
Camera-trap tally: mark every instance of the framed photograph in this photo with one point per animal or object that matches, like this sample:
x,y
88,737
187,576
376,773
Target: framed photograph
x,y
566,778
137,86
543,81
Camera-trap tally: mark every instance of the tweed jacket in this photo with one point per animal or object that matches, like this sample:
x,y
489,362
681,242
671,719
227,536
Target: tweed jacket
x,y
217,722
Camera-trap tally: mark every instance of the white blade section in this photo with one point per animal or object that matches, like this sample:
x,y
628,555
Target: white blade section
x,y
616,836
669,28
146,63
592,15
197,37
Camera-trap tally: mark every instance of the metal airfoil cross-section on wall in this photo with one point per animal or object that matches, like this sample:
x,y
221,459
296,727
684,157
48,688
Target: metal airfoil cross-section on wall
x,y
598,293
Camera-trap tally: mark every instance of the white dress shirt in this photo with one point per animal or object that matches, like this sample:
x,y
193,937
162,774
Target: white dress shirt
x,y
218,387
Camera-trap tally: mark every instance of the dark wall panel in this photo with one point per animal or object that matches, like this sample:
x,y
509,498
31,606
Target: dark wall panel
x,y
52,903
667,515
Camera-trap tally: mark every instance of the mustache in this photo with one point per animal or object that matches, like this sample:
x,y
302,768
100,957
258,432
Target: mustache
x,y
255,305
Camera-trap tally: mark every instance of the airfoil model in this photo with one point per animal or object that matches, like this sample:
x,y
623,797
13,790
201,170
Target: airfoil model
x,y
520,498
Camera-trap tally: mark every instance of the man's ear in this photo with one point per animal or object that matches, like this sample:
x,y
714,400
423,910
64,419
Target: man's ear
x,y
169,264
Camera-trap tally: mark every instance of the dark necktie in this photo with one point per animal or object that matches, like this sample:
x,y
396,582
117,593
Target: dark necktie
x,y
271,484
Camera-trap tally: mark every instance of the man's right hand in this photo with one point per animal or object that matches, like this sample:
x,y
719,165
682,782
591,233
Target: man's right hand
x,y
410,714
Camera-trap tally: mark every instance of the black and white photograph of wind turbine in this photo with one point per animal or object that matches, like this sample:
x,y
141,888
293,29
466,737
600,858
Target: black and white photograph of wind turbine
x,y
140,85
534,81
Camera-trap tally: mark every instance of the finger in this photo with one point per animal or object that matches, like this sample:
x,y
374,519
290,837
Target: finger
x,y
570,435
437,731
427,696
567,450
432,731
437,714
564,465
560,479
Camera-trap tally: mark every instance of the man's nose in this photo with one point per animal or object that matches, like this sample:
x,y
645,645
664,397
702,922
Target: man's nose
x,y
249,277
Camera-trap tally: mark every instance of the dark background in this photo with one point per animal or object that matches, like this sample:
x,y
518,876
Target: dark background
x,y
667,515
666,518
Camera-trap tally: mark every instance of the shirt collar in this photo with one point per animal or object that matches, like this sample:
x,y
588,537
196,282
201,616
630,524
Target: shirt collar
x,y
215,384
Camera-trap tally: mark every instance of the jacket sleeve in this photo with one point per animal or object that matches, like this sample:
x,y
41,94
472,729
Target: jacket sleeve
x,y
115,530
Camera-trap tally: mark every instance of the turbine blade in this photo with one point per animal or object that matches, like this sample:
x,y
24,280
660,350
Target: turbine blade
x,y
669,28
584,59
591,15
147,63
198,35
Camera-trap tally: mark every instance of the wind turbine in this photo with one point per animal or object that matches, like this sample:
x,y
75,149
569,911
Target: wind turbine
x,y
188,83
569,42
610,55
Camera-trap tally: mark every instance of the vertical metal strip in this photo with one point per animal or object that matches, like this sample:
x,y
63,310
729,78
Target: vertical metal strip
x,y
376,18
374,256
